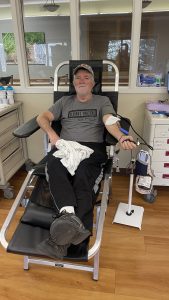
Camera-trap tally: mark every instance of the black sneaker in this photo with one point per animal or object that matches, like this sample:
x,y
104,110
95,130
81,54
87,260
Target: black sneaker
x,y
50,249
68,229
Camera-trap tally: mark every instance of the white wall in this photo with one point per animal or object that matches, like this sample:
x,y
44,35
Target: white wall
x,y
33,104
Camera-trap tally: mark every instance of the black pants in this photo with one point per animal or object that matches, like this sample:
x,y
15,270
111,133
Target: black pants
x,y
77,190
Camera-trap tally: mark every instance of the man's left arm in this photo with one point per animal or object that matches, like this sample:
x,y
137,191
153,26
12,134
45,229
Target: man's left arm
x,y
125,141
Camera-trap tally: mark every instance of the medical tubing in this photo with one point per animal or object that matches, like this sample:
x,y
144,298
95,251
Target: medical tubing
x,y
127,121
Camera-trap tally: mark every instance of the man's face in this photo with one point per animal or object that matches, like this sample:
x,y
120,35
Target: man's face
x,y
83,82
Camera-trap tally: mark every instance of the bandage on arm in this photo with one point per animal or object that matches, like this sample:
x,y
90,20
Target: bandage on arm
x,y
111,120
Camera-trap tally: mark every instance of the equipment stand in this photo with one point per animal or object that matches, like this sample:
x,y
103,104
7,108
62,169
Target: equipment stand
x,y
128,214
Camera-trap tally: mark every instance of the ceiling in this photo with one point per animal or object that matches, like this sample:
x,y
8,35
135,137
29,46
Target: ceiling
x,y
87,7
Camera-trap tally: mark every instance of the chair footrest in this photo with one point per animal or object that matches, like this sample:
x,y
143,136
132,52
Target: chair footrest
x,y
27,237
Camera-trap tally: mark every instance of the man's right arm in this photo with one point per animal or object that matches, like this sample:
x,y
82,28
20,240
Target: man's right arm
x,y
44,120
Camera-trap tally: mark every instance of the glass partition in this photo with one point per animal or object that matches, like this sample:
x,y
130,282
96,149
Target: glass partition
x,y
106,34
47,38
8,56
153,64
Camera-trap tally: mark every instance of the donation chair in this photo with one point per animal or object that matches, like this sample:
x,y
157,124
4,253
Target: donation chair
x,y
39,212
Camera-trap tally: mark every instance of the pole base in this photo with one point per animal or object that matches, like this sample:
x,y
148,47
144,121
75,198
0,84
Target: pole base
x,y
132,218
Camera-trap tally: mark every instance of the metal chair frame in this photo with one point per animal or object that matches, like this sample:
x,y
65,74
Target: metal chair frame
x,y
94,250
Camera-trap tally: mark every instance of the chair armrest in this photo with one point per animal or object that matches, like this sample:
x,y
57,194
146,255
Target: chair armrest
x,y
110,140
27,129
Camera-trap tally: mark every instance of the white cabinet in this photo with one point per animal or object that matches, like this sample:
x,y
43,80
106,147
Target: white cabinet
x,y
13,151
156,133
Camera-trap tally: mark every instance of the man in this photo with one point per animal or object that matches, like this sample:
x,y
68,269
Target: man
x,y
83,117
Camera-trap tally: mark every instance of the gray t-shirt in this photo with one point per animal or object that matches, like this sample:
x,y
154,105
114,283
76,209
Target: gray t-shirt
x,y
82,121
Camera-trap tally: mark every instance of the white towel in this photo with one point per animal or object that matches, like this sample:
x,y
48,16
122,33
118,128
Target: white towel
x,y
71,154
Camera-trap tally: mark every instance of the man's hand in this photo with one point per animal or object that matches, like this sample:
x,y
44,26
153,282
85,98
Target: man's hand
x,y
53,137
127,143
44,120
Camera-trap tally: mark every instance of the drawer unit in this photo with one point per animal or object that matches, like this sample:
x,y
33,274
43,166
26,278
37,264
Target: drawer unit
x,y
7,135
12,161
161,143
160,155
161,171
161,130
156,133
13,151
160,166
9,148
161,179
8,120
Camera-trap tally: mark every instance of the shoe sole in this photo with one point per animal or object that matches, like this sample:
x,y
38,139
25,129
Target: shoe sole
x,y
45,249
80,237
65,232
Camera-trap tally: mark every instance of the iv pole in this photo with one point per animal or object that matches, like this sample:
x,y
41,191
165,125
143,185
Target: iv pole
x,y
128,214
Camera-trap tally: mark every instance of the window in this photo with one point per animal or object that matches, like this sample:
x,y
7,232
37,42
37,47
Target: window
x,y
153,62
147,54
8,57
106,34
47,37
